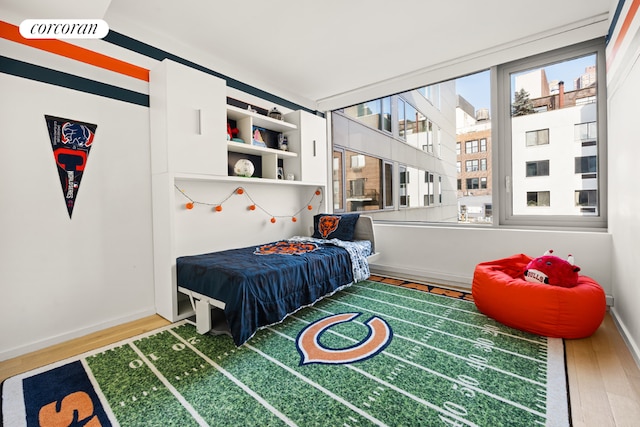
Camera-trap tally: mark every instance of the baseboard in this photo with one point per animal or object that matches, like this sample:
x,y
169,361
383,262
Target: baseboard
x,y
437,278
49,341
626,336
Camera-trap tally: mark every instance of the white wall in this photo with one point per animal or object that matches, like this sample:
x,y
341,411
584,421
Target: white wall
x,y
62,278
448,255
624,196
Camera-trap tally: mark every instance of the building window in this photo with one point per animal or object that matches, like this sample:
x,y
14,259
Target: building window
x,y
473,183
457,148
388,185
458,167
537,137
587,200
483,183
472,165
524,135
364,178
375,114
483,144
538,198
585,131
401,118
483,164
538,168
586,164
471,146
404,181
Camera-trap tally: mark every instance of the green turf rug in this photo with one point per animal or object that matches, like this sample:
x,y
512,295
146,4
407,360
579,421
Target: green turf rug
x,y
373,354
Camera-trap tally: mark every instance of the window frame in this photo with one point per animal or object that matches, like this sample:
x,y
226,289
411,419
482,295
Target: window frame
x,y
501,135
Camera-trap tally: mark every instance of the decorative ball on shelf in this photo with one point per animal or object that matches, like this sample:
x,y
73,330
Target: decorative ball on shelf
x,y
244,167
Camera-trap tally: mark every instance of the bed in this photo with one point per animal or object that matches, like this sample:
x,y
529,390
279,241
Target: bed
x,y
257,286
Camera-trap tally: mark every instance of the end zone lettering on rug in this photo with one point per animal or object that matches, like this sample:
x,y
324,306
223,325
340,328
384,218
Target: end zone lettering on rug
x,y
447,364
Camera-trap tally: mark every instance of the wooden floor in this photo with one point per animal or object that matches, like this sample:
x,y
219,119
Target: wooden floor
x,y
604,380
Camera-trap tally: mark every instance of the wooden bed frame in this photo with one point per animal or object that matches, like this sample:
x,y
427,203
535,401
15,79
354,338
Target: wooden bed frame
x,y
202,304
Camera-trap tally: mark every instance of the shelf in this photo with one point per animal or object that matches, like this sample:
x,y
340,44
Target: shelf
x,y
241,179
259,120
239,147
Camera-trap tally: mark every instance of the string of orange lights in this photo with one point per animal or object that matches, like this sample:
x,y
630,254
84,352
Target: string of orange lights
x,y
217,207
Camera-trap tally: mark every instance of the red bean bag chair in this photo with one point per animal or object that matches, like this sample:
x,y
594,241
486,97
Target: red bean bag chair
x,y
500,291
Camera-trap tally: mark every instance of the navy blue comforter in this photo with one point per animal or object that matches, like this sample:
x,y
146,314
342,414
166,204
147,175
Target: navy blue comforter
x,y
259,290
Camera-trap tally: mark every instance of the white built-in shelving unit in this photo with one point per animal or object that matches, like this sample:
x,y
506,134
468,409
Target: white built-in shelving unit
x,y
189,146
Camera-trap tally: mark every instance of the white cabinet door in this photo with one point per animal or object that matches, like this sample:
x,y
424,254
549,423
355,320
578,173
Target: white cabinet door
x,y
188,120
310,142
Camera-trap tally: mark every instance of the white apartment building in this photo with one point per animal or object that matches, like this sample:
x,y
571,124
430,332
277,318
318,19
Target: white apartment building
x,y
554,159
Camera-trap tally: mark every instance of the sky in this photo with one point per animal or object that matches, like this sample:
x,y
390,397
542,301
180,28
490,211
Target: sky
x,y
475,87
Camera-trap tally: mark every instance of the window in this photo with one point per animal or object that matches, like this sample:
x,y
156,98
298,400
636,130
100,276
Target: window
x,y
483,183
538,168
360,184
483,164
586,132
458,148
568,134
586,164
538,198
587,200
473,183
388,185
376,113
471,147
458,167
537,137
338,156
404,196
483,144
401,118
472,165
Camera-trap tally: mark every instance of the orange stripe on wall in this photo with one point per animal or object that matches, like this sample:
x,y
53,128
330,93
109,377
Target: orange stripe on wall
x,y
59,47
631,13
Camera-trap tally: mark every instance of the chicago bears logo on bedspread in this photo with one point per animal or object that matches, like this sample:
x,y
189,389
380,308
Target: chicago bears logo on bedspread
x,y
327,225
285,247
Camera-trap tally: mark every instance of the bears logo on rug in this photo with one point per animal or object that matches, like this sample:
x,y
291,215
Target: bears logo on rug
x,y
312,351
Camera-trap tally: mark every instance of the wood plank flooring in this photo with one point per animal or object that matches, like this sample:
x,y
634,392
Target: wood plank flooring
x,y
604,379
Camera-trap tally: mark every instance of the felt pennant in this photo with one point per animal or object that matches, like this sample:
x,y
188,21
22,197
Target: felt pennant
x,y
71,142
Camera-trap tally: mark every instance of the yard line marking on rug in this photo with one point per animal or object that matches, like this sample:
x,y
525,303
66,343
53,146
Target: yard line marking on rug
x,y
444,318
337,300
365,374
99,392
475,313
484,363
440,374
524,356
317,386
196,416
237,382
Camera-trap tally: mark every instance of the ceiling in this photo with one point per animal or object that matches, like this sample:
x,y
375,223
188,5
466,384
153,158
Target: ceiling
x,y
319,50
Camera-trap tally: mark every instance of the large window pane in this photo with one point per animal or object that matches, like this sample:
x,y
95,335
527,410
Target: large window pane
x,y
337,183
553,118
363,182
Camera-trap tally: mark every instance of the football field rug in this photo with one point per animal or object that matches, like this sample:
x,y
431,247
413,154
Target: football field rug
x,y
372,355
